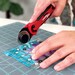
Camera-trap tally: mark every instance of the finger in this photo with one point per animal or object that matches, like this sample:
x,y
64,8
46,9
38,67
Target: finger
x,y
37,12
59,37
59,54
59,8
40,45
52,43
68,61
39,8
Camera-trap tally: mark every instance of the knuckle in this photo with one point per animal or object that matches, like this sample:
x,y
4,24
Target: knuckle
x,y
37,47
47,42
40,51
47,62
63,64
59,54
70,59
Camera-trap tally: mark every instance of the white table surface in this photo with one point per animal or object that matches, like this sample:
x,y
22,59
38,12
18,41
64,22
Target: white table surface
x,y
49,27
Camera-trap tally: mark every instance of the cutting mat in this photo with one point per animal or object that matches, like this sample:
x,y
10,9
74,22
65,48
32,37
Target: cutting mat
x,y
9,66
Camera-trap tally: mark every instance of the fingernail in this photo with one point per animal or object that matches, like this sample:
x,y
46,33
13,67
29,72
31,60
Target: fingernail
x,y
42,65
57,68
33,51
33,57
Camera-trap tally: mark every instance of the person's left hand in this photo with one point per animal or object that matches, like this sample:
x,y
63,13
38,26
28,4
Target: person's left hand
x,y
64,44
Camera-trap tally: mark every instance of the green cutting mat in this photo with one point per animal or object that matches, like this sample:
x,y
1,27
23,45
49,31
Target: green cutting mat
x,y
9,66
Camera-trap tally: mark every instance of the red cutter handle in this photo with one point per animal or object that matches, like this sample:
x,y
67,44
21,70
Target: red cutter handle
x,y
34,26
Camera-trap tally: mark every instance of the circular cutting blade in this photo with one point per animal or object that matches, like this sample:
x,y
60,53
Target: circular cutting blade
x,y
24,36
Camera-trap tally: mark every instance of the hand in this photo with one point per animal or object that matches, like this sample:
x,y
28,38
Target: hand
x,y
41,5
64,44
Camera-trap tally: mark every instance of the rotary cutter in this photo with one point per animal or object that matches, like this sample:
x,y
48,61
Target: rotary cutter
x,y
31,28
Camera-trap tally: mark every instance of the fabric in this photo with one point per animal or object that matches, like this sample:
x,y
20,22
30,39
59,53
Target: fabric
x,y
68,15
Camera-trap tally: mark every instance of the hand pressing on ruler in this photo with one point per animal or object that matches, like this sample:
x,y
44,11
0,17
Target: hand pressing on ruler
x,y
64,44
41,5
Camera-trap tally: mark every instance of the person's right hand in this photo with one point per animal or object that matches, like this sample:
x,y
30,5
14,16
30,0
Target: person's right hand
x,y
41,5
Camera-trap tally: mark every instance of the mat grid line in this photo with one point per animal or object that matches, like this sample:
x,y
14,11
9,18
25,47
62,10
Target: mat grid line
x,y
15,67
8,39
